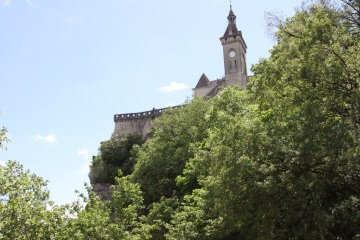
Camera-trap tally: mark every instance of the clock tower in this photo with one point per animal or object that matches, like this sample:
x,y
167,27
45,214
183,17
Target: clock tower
x,y
234,48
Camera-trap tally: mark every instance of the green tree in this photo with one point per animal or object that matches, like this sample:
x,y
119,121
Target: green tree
x,y
115,155
154,225
195,219
3,137
209,213
25,209
90,220
126,203
278,160
105,220
284,156
162,158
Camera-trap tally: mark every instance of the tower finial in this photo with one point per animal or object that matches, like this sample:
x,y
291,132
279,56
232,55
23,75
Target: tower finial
x,y
231,17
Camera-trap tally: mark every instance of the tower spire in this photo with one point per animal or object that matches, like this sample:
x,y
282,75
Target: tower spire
x,y
234,53
231,17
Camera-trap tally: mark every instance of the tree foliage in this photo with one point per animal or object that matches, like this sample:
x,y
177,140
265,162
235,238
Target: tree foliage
x,y
289,165
163,157
115,155
25,209
105,220
278,160
3,138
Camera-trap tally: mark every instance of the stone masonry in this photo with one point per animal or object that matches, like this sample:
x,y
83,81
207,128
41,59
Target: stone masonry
x,y
140,123
234,50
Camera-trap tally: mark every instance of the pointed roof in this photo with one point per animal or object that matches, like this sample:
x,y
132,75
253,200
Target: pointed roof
x,y
231,15
231,29
203,81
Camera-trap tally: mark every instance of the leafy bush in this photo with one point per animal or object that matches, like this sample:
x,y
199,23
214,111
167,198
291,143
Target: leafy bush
x,y
115,155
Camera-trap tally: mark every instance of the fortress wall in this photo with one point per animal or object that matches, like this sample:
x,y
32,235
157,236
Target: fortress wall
x,y
141,122
141,126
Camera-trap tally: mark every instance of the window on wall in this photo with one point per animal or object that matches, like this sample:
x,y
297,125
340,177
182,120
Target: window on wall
x,y
230,65
235,64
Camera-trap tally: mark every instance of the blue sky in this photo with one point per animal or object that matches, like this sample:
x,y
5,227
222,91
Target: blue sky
x,y
66,67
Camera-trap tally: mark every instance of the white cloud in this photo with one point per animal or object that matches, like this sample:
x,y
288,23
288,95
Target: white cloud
x,y
6,2
172,87
85,155
48,138
2,163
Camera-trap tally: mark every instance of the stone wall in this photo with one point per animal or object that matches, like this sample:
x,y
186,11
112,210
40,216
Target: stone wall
x,y
140,123
125,124
141,126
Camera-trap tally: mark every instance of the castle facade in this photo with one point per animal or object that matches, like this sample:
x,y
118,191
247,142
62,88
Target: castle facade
x,y
234,50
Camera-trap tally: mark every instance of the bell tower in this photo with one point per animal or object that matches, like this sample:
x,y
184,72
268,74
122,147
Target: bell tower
x,y
234,48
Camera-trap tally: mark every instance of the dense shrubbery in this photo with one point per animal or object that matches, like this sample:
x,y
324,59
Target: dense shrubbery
x,y
162,158
278,160
115,155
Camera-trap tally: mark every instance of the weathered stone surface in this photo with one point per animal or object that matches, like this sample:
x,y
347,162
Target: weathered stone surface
x,y
234,52
140,123
142,126
103,191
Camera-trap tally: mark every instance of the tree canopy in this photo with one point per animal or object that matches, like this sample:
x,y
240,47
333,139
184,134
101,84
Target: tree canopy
x,y
277,160
115,154
25,209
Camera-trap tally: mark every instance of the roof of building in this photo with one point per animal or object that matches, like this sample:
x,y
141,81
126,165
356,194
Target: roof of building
x,y
219,84
231,13
203,81
213,87
231,29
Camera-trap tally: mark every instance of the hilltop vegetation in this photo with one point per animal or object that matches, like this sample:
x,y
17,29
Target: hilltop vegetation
x,y
115,155
278,160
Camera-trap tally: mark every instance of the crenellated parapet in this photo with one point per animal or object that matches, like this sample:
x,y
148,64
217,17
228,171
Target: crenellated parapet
x,y
147,114
140,122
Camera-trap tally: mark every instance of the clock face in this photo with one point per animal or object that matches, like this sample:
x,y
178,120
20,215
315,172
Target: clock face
x,y
232,54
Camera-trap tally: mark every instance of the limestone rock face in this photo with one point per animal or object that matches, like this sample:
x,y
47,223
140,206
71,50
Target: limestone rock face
x,y
103,191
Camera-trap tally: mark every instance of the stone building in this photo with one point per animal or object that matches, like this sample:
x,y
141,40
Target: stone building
x,y
234,50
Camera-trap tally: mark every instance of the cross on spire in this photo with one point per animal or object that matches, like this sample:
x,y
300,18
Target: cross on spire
x,y
230,4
